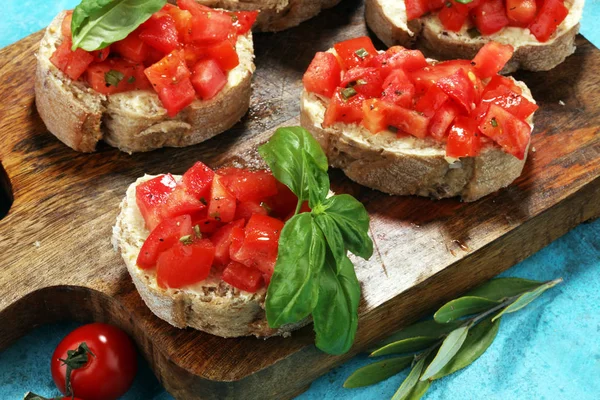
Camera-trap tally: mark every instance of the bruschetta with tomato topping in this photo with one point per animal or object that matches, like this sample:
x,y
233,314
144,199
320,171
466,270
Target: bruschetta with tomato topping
x,y
397,122
275,15
542,32
201,248
181,77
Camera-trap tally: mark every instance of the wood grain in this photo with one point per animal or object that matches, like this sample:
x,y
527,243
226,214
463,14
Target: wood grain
x,y
57,261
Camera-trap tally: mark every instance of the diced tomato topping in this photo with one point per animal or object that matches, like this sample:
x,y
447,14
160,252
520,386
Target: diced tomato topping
x,y
198,180
426,77
463,138
459,87
500,80
551,15
453,15
407,121
242,277
246,209
183,22
160,32
510,132
209,26
163,236
521,12
208,79
180,202
397,57
398,89
343,110
248,185
221,205
374,116
243,21
132,47
514,103
491,58
442,119
223,53
221,239
116,75
431,101
355,52
72,63
490,16
416,8
101,55
283,203
205,224
151,195
65,26
365,81
184,264
323,74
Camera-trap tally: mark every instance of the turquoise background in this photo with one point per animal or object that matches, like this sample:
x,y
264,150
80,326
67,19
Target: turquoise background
x,y
549,350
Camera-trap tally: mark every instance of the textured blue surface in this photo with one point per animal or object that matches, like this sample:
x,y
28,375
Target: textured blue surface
x,y
549,350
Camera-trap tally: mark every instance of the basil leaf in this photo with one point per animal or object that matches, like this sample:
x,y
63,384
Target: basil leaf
x,y
464,1
503,288
333,236
377,371
293,291
113,77
527,298
405,346
449,348
479,338
284,153
409,383
98,23
461,307
352,219
336,313
318,182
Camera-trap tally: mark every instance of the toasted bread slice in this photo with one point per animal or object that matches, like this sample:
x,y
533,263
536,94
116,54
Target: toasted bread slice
x,y
212,306
409,165
275,15
387,19
133,121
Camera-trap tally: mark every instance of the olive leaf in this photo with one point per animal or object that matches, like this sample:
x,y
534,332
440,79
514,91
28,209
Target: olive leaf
x,y
448,349
429,328
408,345
527,298
502,288
377,371
411,380
461,307
419,390
479,338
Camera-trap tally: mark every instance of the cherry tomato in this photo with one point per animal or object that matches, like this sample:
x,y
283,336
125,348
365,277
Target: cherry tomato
x,y
110,368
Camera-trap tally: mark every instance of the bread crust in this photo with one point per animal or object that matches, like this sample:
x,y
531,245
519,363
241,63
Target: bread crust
x,y
408,165
275,15
134,121
426,33
212,306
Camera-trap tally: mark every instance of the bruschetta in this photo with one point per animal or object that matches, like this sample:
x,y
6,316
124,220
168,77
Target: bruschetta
x,y
399,123
542,33
171,82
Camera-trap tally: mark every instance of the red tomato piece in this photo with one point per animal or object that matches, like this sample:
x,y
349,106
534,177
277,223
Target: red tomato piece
x,y
510,132
206,225
453,15
65,26
283,203
242,277
198,180
398,57
433,99
237,238
434,5
208,79
183,22
490,16
248,185
407,121
514,103
355,52
463,138
246,209
151,195
442,119
416,8
209,27
343,110
374,116
72,63
128,76
185,264
243,21
366,81
491,58
180,202
221,205
323,74
163,237
160,32
101,55
500,80
223,53
521,12
551,15
398,89
221,239
459,87
425,77
260,244
132,47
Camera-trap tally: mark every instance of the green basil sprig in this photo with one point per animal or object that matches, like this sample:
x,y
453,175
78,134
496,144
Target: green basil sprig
x,y
313,274
98,23
459,334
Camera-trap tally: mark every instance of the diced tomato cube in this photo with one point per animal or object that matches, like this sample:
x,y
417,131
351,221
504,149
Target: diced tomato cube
x,y
490,16
343,110
243,21
425,77
221,205
398,89
283,203
323,74
431,101
151,195
208,79
416,8
163,237
132,47
127,76
224,54
491,58
514,103
406,120
499,80
221,239
365,81
442,119
521,12
246,209
453,15
183,22
374,116
463,138
459,87
72,63
205,224
248,185
160,32
398,57
101,55
185,264
435,5
65,26
198,180
510,132
550,16
355,52
180,202
242,277
209,27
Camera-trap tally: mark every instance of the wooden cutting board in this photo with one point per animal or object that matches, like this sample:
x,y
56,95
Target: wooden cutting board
x,y
57,262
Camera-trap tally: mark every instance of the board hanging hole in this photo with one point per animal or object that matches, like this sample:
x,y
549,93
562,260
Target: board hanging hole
x,y
6,193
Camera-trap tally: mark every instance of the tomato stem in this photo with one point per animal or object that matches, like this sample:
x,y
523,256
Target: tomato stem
x,y
76,359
